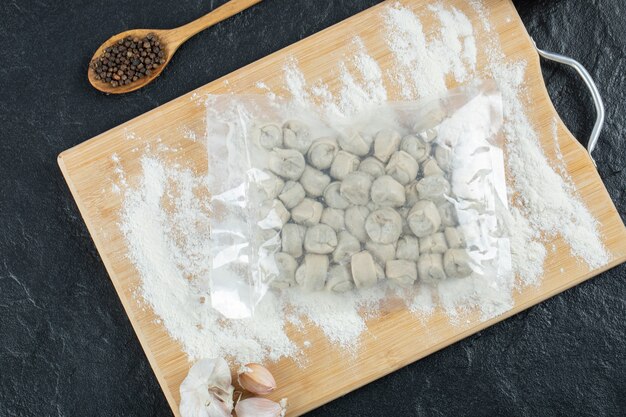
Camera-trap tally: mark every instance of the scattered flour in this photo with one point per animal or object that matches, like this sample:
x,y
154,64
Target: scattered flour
x,y
370,73
422,303
527,251
353,94
120,175
361,84
542,194
424,64
481,12
165,218
166,223
262,86
456,41
295,82
337,317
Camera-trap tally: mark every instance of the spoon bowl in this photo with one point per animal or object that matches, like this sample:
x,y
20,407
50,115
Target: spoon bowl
x,y
167,47
170,40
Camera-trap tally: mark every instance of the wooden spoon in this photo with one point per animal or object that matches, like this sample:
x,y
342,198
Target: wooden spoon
x,y
170,41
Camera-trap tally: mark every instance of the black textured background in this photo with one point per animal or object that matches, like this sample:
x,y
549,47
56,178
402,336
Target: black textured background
x,y
66,346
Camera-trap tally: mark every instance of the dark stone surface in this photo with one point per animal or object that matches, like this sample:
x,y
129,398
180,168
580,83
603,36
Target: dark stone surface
x,y
66,346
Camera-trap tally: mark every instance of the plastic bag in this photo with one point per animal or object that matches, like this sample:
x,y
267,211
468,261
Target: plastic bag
x,y
399,194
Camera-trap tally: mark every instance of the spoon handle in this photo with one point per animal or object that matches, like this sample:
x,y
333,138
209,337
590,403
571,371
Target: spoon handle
x,y
182,33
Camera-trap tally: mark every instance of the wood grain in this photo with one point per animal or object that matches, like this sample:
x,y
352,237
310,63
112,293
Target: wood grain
x,y
395,339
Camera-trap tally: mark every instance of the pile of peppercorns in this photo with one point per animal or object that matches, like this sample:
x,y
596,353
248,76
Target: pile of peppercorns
x,y
129,60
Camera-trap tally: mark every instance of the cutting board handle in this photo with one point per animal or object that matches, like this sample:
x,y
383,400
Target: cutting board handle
x,y
591,85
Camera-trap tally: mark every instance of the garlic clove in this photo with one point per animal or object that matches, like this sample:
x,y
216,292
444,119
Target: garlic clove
x,y
260,407
207,390
257,379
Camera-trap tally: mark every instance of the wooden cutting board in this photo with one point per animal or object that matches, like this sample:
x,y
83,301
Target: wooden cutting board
x,y
393,340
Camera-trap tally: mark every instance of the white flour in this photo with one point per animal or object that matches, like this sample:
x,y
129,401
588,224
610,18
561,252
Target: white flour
x,y
295,82
544,197
361,84
165,218
371,80
423,64
166,225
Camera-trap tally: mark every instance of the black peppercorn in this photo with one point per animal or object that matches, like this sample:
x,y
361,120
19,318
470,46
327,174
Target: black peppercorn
x,y
128,60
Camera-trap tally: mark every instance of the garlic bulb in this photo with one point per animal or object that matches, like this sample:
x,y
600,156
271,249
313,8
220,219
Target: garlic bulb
x,y
257,379
260,407
207,390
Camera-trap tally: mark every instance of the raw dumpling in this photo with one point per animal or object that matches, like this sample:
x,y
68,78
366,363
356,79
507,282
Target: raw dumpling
x,y
447,213
402,167
401,272
292,237
457,263
356,143
384,225
267,185
322,152
296,135
372,166
443,156
356,188
347,245
333,197
339,279
430,167
343,164
435,243
267,237
320,239
424,218
311,275
292,194
363,269
430,268
415,147
314,181
269,136
334,218
408,248
307,213
454,237
355,221
386,142
434,188
286,266
387,192
286,163
273,215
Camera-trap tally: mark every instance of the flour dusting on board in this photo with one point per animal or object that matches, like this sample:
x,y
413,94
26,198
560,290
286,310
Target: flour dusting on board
x,y
166,225
424,64
165,216
544,197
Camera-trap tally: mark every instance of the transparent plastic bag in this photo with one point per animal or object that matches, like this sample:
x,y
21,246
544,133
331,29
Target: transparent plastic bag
x,y
402,193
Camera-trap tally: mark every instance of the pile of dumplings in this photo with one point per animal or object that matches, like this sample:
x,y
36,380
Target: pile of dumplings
x,y
351,210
